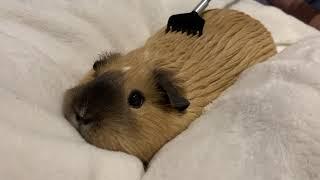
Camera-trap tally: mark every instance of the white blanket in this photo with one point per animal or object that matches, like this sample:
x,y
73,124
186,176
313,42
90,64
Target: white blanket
x,y
46,46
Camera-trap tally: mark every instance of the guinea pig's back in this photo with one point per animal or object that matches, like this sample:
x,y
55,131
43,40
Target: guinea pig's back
x,y
231,42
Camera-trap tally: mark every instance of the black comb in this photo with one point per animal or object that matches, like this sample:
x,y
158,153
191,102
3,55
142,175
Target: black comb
x,y
192,22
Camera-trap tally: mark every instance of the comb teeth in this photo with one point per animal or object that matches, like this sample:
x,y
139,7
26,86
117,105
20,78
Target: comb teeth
x,y
191,23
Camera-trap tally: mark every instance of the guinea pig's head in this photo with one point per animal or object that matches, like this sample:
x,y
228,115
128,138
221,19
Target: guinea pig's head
x,y
124,104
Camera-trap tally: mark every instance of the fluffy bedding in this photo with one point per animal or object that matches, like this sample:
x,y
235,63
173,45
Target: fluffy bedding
x,y
266,126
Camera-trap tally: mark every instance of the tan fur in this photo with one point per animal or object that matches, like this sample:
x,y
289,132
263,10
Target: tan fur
x,y
204,68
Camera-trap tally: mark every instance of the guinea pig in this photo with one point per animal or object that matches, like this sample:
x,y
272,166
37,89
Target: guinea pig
x,y
137,102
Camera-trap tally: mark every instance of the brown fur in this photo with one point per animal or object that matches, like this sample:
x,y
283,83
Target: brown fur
x,y
200,69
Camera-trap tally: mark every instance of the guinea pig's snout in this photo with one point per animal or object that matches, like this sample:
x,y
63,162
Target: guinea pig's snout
x,y
81,115
83,106
96,101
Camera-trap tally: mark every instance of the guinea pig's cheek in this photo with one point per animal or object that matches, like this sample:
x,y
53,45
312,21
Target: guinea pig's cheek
x,y
91,135
85,131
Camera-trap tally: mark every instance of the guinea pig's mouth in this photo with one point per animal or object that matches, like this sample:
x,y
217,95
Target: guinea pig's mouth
x,y
71,116
82,128
73,120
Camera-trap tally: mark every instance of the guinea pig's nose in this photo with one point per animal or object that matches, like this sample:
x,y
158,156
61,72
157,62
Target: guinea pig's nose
x,y
81,115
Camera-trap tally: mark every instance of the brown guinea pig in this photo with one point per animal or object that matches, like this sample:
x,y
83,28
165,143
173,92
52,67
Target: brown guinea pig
x,y
137,102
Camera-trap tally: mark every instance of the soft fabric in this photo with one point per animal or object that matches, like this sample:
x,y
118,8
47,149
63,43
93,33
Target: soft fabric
x,y
266,126
46,46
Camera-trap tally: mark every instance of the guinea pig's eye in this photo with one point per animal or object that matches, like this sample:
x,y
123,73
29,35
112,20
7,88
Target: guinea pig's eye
x,y
136,99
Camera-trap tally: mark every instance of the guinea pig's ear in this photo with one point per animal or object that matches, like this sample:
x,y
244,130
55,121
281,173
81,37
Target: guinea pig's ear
x,y
173,93
104,59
